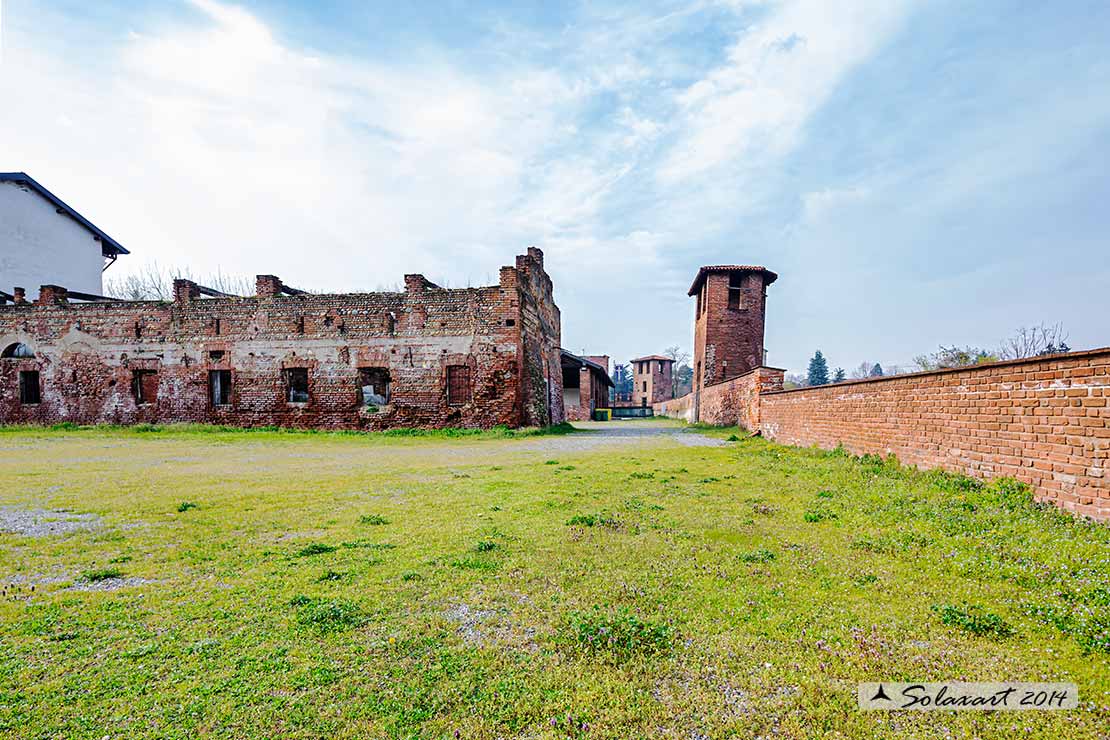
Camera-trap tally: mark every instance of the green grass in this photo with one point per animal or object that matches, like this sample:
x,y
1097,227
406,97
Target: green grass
x,y
423,585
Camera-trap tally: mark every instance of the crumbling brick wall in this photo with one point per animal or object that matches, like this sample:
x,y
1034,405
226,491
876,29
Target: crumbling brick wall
x,y
91,356
1044,421
541,380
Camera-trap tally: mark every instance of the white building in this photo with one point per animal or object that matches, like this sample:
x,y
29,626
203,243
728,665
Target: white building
x,y
45,242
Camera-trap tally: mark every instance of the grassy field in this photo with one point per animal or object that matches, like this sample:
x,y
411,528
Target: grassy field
x,y
197,583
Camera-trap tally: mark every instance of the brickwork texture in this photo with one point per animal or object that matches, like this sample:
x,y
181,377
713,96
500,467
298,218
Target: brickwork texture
x,y
426,357
1043,420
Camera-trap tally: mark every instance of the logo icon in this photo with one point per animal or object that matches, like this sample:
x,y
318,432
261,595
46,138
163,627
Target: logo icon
x,y
880,694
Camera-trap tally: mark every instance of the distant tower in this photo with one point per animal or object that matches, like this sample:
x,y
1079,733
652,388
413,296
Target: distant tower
x,y
728,323
651,378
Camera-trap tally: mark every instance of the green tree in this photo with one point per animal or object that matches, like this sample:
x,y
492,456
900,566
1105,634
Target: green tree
x,y
818,370
877,371
949,357
839,375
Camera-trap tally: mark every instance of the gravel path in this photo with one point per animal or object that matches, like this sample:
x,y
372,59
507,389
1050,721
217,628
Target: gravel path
x,y
618,434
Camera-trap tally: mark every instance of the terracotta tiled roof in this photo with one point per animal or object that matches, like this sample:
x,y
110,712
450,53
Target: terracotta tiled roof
x,y
652,357
769,276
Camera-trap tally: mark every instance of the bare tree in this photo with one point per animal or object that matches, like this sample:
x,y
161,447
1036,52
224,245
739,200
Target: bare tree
x,y
949,357
794,380
152,282
1044,339
680,357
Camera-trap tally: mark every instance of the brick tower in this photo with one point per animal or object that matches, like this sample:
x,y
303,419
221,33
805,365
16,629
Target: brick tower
x,y
728,323
651,378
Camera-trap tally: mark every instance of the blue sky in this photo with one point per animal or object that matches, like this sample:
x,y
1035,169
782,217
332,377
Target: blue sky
x,y
917,172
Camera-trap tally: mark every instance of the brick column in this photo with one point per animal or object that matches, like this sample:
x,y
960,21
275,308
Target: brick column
x,y
267,286
50,295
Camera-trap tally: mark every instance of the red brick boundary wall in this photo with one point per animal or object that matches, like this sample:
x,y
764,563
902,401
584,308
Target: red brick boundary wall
x,y
1044,421
676,408
734,401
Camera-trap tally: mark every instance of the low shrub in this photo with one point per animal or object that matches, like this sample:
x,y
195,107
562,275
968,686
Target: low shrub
x,y
186,505
621,635
101,574
316,548
373,520
475,563
368,545
327,615
880,545
819,515
973,619
594,520
761,555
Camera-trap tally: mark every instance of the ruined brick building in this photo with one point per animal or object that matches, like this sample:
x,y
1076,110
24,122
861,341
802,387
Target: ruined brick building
x,y
425,357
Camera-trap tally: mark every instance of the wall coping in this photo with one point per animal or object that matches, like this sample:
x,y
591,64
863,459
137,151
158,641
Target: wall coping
x,y
722,382
950,370
741,375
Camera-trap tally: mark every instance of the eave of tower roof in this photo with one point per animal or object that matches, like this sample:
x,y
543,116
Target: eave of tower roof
x,y
769,277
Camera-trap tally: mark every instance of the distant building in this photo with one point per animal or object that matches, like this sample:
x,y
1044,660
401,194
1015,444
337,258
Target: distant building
x,y
586,385
652,380
44,241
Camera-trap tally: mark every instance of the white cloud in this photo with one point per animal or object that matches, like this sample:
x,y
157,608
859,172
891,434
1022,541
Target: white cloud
x,y
777,74
820,204
216,142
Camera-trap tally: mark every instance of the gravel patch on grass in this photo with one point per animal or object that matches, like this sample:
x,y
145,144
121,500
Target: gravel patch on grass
x,y
35,579
468,621
44,522
110,584
485,627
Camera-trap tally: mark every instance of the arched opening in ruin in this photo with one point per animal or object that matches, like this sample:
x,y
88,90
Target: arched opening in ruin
x,y
19,350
